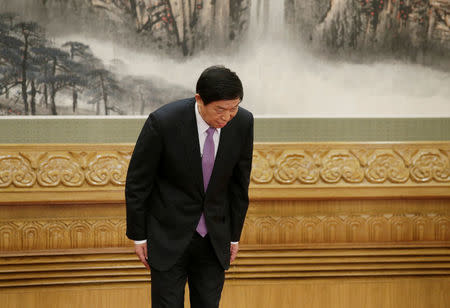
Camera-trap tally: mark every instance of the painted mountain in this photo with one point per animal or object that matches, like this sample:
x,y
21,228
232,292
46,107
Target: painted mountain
x,y
127,57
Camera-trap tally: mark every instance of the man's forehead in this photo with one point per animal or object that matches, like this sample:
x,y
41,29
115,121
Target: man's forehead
x,y
231,103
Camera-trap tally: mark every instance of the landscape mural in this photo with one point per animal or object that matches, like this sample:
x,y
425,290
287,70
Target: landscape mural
x,y
295,57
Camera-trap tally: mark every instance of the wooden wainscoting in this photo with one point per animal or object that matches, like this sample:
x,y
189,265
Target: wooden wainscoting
x,y
329,225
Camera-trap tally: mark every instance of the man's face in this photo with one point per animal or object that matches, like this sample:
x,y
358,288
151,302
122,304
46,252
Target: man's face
x,y
218,113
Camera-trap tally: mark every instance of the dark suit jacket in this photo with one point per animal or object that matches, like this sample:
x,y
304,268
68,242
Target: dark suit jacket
x,y
164,188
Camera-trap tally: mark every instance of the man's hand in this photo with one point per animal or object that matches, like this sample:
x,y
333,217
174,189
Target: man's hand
x,y
233,250
141,252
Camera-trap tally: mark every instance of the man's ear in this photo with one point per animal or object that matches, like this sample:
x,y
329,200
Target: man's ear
x,y
198,98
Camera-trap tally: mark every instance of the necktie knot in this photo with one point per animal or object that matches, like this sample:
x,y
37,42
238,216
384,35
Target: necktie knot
x,y
210,131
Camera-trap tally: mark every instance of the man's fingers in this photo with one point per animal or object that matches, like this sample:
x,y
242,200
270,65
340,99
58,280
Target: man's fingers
x,y
233,256
146,264
141,252
233,252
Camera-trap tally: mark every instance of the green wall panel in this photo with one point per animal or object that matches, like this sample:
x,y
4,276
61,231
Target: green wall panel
x,y
126,130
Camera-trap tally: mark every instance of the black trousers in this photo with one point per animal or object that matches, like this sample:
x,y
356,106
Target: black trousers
x,y
201,269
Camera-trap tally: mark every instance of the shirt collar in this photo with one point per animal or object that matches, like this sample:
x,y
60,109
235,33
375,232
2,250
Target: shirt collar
x,y
202,126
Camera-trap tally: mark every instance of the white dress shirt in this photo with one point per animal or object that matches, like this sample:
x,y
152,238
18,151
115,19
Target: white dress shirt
x,y
202,127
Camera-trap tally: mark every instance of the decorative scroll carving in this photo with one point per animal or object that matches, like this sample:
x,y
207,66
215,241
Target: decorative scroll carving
x,y
362,155
293,166
261,170
60,169
383,166
339,165
16,171
430,165
107,169
71,168
406,154
284,165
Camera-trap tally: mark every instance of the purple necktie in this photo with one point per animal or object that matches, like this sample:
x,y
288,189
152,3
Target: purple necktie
x,y
207,167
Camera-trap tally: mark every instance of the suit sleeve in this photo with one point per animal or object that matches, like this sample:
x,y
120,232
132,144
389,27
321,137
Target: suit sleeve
x,y
239,186
140,178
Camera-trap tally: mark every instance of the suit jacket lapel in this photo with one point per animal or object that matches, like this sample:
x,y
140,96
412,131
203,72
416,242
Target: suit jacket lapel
x,y
189,133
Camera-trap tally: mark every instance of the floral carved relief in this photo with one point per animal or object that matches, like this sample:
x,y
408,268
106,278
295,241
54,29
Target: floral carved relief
x,y
429,165
339,165
262,171
282,165
63,168
105,169
386,166
59,169
296,166
17,171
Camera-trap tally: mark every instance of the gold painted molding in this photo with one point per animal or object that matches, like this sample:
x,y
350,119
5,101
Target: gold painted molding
x,y
261,231
85,172
300,223
62,233
63,166
351,163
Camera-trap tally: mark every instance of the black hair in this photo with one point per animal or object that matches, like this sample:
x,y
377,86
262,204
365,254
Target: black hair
x,y
219,83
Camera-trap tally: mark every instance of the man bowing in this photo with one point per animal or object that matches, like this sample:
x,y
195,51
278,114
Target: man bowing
x,y
187,190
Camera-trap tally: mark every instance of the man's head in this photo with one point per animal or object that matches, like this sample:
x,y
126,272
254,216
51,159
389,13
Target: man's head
x,y
219,92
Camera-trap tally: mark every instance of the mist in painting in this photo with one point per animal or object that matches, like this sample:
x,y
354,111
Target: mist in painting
x,y
295,58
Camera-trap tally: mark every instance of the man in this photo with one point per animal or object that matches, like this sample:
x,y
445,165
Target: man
x,y
187,190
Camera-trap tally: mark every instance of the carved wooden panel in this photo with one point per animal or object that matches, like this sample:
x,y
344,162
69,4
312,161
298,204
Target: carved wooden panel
x,y
63,233
281,164
63,168
387,228
350,164
40,174
261,230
